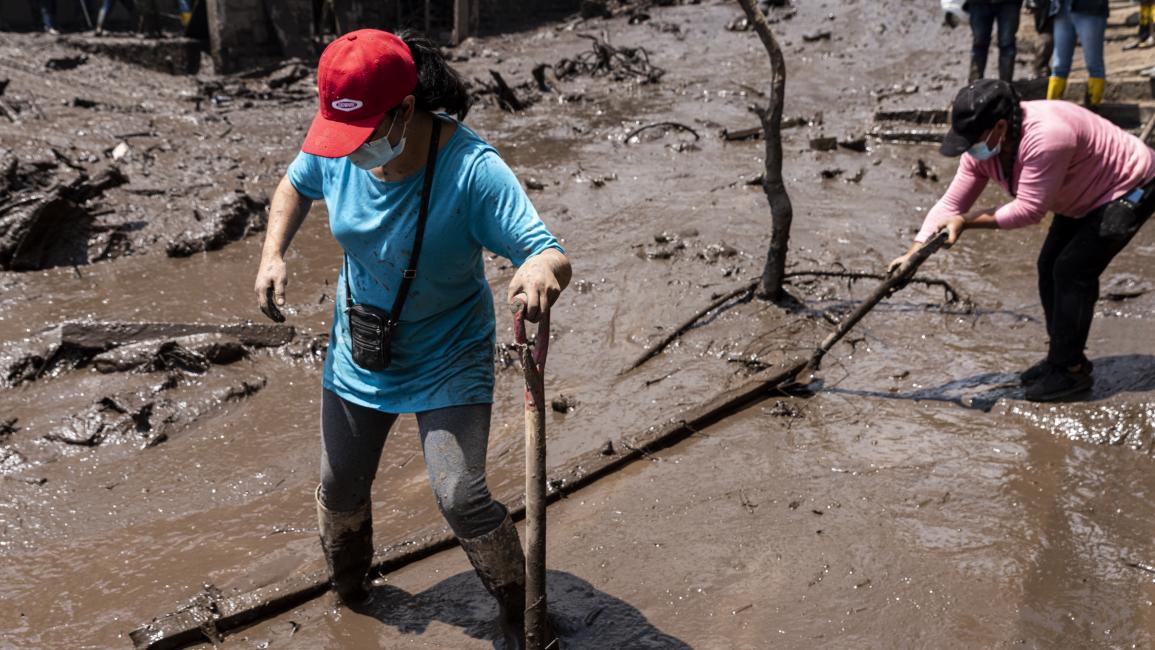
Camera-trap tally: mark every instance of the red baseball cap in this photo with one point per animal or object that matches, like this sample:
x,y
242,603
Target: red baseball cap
x,y
361,76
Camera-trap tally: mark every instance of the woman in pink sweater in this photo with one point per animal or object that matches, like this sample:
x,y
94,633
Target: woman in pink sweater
x,y
1097,179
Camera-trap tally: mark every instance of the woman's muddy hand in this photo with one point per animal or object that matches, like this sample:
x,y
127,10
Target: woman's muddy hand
x,y
954,227
539,281
270,288
896,263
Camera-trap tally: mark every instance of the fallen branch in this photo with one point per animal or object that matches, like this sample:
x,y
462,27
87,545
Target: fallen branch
x,y
689,323
506,98
676,125
952,295
893,283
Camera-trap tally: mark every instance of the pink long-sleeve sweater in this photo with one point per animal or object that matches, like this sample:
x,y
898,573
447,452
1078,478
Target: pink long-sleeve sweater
x,y
1070,162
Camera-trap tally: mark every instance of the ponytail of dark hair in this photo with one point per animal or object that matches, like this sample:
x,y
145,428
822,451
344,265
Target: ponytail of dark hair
x,y
1014,136
439,86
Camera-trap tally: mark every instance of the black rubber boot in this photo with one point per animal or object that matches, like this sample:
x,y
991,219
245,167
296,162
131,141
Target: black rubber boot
x,y
1058,383
347,542
1037,371
500,563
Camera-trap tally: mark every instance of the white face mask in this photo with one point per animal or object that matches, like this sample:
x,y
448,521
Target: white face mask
x,y
378,153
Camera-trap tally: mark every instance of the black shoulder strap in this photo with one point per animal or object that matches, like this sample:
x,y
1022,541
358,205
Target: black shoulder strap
x,y
411,269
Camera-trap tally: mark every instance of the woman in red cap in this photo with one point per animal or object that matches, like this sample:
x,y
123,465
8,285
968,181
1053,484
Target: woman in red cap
x,y
414,196
1096,178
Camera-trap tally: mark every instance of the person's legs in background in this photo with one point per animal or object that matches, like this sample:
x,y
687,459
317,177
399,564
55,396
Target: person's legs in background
x,y
185,12
1092,32
982,18
1008,18
48,16
1064,37
1146,17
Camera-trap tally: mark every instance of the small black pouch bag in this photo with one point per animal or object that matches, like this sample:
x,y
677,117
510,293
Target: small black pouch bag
x,y
1123,217
371,328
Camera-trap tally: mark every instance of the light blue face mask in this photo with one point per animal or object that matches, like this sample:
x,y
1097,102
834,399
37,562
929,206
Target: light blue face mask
x,y
378,153
980,151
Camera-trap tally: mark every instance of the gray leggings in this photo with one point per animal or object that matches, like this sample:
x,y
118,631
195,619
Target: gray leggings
x,y
454,441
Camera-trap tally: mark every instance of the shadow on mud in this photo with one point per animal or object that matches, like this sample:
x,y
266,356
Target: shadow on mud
x,y
583,617
1129,373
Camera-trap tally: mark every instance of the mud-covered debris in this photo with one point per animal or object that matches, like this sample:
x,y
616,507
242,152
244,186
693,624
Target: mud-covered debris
x,y
793,505
751,133
714,252
607,449
923,170
604,59
855,143
564,403
783,409
8,427
11,461
595,9
857,177
287,76
121,151
61,63
43,230
1125,286
533,184
658,130
831,172
191,354
823,143
821,35
914,116
897,90
237,216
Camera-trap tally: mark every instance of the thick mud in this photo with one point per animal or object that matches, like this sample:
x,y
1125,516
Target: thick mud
x,y
913,501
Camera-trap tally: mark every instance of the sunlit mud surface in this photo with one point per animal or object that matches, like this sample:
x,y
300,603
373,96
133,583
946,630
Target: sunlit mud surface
x,y
915,500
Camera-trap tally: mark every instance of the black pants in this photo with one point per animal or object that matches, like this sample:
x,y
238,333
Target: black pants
x,y
984,15
1074,256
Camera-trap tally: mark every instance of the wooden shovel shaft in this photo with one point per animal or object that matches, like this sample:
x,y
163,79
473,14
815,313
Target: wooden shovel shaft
x,y
533,364
535,525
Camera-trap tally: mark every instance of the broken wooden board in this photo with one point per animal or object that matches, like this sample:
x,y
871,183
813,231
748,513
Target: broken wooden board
x,y
105,335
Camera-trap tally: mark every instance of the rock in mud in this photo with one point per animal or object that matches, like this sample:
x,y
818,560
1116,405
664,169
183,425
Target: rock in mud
x,y
922,170
1125,286
564,403
237,216
856,143
823,144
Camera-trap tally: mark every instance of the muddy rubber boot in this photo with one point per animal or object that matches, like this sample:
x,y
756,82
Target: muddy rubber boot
x,y
1095,88
347,542
976,71
500,563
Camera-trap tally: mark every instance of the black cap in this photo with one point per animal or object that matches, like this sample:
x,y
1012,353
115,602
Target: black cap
x,y
976,110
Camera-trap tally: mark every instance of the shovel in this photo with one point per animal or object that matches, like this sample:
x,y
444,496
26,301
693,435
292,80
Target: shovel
x,y
533,356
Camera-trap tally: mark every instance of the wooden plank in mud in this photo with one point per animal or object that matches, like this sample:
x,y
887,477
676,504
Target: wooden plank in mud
x,y
209,622
102,335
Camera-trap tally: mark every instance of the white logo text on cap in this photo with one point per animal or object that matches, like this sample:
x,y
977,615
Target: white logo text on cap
x,y
347,105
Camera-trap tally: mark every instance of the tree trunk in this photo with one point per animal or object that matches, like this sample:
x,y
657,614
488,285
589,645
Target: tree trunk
x,y
781,210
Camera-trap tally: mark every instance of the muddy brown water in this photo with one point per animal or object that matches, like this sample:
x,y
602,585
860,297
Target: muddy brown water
x,y
914,501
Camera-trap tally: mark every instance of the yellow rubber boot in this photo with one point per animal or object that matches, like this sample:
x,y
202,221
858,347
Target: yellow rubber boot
x,y
185,18
1056,86
1095,88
